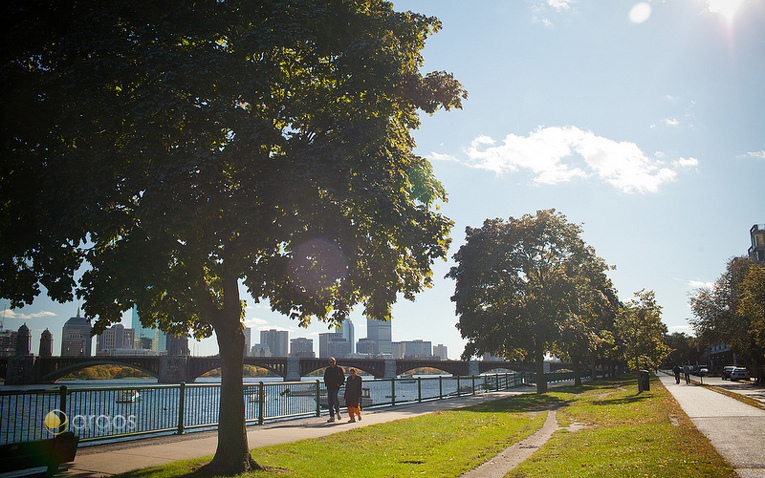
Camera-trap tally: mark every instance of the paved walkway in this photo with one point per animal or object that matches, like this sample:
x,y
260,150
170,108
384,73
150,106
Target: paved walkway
x,y
735,429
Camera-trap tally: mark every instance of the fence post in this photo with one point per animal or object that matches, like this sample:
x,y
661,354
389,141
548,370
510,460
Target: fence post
x,y
419,389
440,387
62,399
473,383
458,386
181,406
393,392
261,400
318,405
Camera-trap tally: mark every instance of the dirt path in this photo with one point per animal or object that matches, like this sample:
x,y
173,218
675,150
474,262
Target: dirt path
x,y
516,454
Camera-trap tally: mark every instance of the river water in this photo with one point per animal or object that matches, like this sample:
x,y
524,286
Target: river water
x,y
99,410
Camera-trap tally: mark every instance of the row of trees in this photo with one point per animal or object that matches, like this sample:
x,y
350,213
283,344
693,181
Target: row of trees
x,y
732,312
531,286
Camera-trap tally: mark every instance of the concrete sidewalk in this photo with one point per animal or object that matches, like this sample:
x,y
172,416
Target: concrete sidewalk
x,y
736,430
111,459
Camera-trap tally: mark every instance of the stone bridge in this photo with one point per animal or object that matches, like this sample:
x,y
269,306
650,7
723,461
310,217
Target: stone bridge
x,y
176,369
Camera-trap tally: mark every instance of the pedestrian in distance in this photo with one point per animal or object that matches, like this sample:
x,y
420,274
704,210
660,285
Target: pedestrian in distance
x,y
334,377
687,372
353,395
677,373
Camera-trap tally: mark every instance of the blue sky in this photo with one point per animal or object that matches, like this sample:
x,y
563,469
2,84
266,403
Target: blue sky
x,y
642,121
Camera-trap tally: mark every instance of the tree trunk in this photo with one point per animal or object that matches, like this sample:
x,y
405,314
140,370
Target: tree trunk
x,y
232,457
539,359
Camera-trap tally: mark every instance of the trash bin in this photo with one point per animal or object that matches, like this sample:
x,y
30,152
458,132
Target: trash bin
x,y
643,381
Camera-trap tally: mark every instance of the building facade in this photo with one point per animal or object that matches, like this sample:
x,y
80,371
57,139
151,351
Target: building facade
x,y
75,337
277,341
46,344
439,352
115,337
757,249
302,347
346,329
148,338
380,331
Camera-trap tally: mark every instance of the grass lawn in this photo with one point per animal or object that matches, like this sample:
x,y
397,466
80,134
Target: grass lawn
x,y
619,433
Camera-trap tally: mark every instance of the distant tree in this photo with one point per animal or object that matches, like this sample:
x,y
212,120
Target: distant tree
x,y
718,315
519,282
178,154
680,345
640,327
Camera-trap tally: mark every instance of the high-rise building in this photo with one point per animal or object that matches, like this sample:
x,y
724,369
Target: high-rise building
x,y
333,344
261,350
439,351
277,341
75,337
411,349
247,341
757,250
8,343
380,332
366,346
114,338
302,347
46,344
346,329
146,337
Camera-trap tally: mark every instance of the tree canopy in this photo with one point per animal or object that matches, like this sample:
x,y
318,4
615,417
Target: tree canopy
x,y
640,328
161,158
521,282
730,311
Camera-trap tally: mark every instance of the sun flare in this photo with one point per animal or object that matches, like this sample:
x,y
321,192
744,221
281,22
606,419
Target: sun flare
x,y
726,8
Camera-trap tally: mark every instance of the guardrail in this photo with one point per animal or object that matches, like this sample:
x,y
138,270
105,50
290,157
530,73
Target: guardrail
x,y
116,413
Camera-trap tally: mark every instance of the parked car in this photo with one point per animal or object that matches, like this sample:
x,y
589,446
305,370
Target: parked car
x,y
739,373
725,374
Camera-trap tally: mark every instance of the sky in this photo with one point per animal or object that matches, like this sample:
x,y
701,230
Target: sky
x,y
644,122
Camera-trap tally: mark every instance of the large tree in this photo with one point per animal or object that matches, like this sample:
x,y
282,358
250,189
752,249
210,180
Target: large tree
x,y
164,158
518,282
727,312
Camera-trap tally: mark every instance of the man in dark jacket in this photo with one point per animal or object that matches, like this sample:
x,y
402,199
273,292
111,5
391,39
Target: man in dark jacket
x,y
334,377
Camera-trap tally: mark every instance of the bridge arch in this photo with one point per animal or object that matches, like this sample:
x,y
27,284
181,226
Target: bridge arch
x,y
49,375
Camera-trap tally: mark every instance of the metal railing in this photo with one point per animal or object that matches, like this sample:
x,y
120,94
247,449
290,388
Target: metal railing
x,y
115,413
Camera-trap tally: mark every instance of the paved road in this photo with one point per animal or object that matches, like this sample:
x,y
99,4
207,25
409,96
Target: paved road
x,y
735,429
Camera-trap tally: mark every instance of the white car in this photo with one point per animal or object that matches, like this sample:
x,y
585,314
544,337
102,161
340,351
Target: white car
x,y
739,373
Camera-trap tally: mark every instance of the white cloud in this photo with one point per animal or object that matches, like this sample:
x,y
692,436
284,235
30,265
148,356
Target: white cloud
x,y
697,284
670,121
756,154
559,154
12,314
640,12
561,5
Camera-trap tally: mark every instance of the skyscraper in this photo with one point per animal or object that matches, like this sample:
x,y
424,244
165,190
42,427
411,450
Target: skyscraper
x,y
277,341
75,337
146,337
380,332
302,347
440,351
346,329
247,341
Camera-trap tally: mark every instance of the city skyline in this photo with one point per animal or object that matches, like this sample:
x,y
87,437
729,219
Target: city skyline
x,y
641,121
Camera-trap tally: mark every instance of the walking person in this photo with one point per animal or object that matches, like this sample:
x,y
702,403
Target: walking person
x,y
353,395
334,377
677,373
687,373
